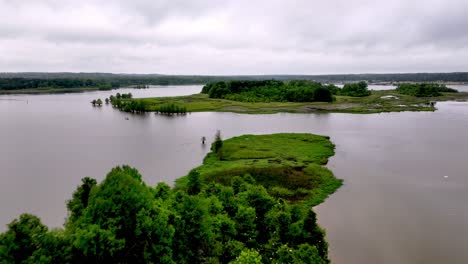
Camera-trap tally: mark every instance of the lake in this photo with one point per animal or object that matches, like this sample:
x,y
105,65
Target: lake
x,y
396,205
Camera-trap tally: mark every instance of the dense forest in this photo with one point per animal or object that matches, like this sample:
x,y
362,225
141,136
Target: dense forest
x,y
270,91
32,80
122,220
282,91
22,83
423,89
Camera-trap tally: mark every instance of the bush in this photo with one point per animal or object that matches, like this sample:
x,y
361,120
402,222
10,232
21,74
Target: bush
x,y
424,89
355,90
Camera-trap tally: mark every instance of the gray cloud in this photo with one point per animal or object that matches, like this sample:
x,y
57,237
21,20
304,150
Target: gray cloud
x,y
234,37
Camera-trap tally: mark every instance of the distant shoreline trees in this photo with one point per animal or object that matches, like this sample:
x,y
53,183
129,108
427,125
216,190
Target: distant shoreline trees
x,y
354,89
56,83
141,86
105,81
424,89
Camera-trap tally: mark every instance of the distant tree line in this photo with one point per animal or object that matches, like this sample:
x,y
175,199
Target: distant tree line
x,y
13,81
424,89
123,220
22,83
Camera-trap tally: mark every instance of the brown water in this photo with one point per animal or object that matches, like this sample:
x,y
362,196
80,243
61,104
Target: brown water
x,y
396,206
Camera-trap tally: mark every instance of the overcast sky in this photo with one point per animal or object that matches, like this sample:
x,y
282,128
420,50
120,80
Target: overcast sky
x,y
234,37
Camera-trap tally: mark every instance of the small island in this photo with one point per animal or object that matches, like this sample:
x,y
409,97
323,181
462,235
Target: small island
x,y
288,165
264,97
250,202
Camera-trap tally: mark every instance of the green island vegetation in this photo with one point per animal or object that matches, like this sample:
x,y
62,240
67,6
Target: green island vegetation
x,y
353,89
250,202
62,82
270,91
123,103
424,89
260,98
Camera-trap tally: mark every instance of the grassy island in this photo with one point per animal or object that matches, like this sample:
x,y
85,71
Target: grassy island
x,y
377,102
289,166
263,97
250,202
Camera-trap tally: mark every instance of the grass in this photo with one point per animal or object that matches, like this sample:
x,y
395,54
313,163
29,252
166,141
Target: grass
x,y
289,166
343,104
201,103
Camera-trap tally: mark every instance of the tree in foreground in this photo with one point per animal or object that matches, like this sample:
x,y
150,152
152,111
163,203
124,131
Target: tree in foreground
x,y
248,256
194,182
122,220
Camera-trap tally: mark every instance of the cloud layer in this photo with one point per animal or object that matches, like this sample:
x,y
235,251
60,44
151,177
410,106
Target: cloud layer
x,y
234,37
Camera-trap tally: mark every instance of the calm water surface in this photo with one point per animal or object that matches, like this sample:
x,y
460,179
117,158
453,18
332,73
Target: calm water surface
x,y
396,206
